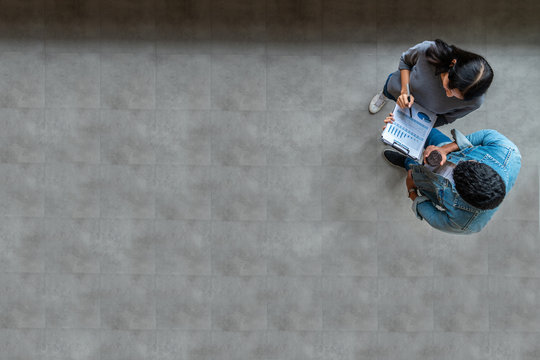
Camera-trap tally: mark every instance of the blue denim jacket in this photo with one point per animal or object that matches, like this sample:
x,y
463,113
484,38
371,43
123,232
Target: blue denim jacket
x,y
486,146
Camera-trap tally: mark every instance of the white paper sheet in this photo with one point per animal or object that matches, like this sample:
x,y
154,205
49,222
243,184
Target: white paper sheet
x,y
408,135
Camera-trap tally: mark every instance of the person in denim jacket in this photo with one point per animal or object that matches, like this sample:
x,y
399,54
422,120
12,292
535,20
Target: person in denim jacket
x,y
462,193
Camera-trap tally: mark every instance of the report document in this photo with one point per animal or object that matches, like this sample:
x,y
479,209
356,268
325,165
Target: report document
x,y
408,134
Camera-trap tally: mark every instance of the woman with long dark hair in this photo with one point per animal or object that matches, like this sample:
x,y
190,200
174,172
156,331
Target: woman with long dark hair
x,y
443,78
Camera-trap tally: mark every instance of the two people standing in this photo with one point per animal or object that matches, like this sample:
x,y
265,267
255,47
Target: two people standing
x,y
463,191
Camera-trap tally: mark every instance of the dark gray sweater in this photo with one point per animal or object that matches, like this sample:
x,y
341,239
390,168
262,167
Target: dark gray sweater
x,y
427,88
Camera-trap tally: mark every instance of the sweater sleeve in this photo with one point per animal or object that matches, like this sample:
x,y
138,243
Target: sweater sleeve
x,y
410,57
450,117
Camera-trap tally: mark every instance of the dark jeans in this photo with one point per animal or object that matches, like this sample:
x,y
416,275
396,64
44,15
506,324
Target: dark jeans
x,y
385,89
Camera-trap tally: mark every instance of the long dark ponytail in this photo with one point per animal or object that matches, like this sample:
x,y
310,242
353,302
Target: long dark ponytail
x,y
471,74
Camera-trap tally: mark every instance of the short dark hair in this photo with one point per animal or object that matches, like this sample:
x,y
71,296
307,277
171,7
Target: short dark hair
x,y
479,185
471,74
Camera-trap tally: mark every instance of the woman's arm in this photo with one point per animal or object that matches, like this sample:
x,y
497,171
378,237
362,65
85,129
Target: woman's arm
x,y
407,61
403,99
410,57
405,78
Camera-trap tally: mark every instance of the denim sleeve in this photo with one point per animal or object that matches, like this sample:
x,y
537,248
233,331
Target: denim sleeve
x,y
424,209
488,137
410,57
461,140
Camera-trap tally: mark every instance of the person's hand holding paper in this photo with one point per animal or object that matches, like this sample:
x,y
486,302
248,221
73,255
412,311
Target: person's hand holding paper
x,y
389,120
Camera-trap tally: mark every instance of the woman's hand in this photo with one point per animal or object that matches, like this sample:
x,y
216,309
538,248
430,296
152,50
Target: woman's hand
x,y
389,119
403,101
431,148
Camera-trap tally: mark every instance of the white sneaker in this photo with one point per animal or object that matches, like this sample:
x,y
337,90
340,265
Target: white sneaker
x,y
377,102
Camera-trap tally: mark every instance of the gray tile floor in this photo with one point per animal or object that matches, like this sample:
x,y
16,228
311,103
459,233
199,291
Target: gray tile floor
x,y
200,179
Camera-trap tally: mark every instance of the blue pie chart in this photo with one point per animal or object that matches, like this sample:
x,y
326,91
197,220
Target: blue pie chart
x,y
423,116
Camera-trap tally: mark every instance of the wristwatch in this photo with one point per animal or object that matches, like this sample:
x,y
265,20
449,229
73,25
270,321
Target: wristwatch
x,y
411,190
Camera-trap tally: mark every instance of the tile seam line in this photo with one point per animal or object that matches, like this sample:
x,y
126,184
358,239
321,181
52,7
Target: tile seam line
x,y
270,276
330,331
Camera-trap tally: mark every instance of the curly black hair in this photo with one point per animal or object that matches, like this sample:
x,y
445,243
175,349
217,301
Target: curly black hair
x,y
479,185
471,74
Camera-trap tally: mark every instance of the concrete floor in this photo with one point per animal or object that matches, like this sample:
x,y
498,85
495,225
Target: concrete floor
x,y
200,179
